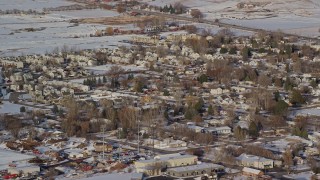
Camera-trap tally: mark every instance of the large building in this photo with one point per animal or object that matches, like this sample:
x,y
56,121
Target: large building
x,y
195,170
255,161
154,166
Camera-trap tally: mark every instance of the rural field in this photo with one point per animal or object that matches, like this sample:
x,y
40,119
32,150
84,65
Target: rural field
x,y
40,33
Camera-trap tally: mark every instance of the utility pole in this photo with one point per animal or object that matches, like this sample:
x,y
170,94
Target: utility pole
x,y
138,136
153,129
103,128
119,148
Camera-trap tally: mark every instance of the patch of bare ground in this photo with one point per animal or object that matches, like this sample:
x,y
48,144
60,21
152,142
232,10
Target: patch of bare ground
x,y
118,20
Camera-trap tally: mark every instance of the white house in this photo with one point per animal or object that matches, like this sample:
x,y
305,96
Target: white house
x,y
223,130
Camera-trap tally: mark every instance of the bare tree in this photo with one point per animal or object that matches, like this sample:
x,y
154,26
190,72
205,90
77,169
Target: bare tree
x,y
109,31
196,13
115,72
179,7
264,80
129,117
287,159
191,29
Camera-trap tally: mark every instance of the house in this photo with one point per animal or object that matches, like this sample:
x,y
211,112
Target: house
x,y
250,172
195,170
17,64
255,161
223,130
298,160
166,143
99,147
154,166
75,153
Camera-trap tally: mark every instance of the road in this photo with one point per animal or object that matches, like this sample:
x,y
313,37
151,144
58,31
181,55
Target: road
x,y
220,24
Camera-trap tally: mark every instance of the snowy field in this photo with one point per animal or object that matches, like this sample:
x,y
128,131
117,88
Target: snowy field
x,y
7,157
306,112
300,17
86,13
32,4
9,108
54,34
52,30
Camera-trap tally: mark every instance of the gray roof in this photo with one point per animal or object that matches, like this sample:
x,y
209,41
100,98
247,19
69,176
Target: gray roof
x,y
252,158
197,167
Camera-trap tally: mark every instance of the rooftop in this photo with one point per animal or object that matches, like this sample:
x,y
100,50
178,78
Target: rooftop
x,y
252,158
197,167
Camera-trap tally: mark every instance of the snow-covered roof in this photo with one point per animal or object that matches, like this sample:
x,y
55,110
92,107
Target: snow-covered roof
x,y
252,158
251,170
197,167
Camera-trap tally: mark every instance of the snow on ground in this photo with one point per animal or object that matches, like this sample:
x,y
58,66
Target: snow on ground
x,y
124,176
9,108
7,157
85,13
300,176
52,30
292,16
32,4
105,68
305,112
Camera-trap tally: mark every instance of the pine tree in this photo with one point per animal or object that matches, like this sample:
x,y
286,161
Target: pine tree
x,y
210,110
99,81
104,79
253,130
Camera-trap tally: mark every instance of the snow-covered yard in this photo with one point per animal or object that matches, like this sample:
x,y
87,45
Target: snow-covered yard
x,y
7,157
105,68
9,108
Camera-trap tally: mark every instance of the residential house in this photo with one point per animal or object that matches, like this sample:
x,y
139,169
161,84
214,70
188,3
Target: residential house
x,y
100,147
223,130
250,172
255,161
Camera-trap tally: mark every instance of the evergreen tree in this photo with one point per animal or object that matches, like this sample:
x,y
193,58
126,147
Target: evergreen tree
x,y
210,110
239,133
297,98
190,113
280,108
198,106
253,130
99,81
104,79
166,93
277,96
203,78
165,8
55,109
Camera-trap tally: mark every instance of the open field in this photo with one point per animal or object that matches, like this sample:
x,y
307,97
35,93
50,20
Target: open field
x,y
116,20
36,34
32,4
301,17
